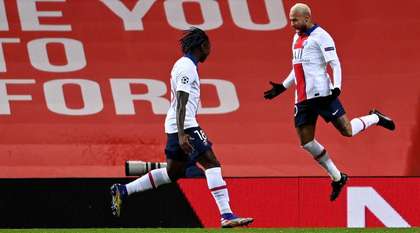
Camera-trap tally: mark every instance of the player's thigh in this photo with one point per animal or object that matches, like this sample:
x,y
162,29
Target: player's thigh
x,y
202,152
306,133
305,113
331,110
208,159
173,150
175,157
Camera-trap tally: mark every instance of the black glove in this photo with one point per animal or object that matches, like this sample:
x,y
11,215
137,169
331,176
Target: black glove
x,y
275,91
335,93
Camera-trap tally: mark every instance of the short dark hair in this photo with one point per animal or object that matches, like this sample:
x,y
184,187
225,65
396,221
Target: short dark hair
x,y
192,38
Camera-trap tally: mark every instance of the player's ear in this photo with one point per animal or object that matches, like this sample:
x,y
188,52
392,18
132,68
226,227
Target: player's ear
x,y
203,46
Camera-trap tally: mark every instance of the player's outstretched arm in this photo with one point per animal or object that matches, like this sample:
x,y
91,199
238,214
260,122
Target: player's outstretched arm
x,y
278,88
183,138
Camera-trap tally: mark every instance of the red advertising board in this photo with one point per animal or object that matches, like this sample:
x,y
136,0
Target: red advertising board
x,y
84,85
304,202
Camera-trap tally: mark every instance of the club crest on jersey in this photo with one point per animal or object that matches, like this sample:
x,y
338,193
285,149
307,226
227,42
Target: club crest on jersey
x,y
184,80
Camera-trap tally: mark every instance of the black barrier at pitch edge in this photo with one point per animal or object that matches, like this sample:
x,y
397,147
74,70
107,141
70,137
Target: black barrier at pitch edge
x,y
80,203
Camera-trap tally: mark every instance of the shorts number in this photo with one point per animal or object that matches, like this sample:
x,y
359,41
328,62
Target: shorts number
x,y
201,135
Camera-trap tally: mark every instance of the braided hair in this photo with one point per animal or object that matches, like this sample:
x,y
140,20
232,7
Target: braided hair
x,y
193,38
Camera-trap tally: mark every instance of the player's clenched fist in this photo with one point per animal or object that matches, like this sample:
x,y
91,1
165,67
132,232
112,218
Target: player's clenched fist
x,y
184,143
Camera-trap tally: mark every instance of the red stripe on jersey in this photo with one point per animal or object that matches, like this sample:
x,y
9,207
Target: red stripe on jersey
x,y
300,73
299,42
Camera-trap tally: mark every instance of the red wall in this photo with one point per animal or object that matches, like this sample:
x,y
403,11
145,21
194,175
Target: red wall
x,y
304,202
378,50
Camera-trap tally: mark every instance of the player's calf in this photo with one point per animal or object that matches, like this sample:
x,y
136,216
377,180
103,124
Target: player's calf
x,y
321,156
219,191
346,132
375,117
151,180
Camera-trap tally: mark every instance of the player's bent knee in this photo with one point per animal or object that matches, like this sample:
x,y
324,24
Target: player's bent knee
x,y
306,140
346,132
210,164
175,174
216,164
313,147
208,160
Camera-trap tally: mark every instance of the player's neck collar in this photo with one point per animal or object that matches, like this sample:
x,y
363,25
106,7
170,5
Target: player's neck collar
x,y
310,30
192,58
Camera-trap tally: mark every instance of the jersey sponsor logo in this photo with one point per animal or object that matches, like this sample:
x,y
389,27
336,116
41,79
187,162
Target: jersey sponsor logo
x,y
335,113
298,50
298,57
329,49
297,54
